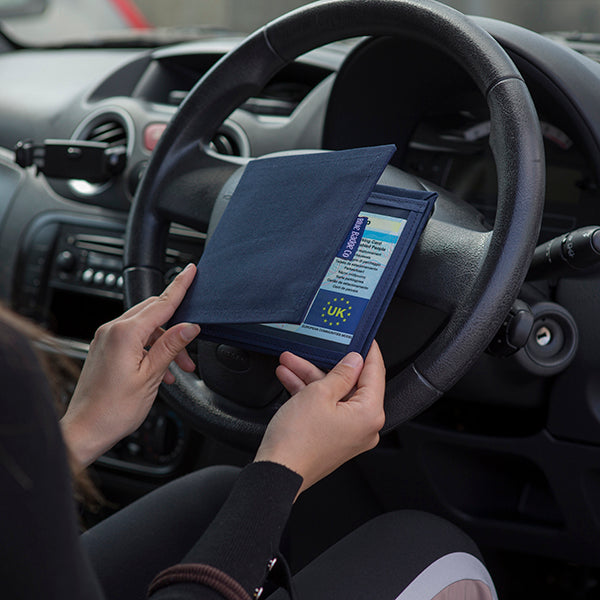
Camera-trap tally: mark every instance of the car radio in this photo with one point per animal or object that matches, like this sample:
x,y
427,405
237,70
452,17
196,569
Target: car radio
x,y
70,275
89,261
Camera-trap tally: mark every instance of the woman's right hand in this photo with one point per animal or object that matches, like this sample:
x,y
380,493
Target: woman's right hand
x,y
128,359
330,418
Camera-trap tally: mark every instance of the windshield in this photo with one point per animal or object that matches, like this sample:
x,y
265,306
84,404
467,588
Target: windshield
x,y
45,22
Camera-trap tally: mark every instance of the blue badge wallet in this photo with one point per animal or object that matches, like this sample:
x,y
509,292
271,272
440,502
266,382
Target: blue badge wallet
x,y
307,255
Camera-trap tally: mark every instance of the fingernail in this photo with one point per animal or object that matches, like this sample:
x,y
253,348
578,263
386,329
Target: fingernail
x,y
188,267
354,360
189,332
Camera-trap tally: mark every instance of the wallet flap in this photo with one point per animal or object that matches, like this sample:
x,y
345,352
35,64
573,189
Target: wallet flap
x,y
277,237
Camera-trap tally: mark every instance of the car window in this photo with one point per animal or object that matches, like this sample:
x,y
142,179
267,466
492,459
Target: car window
x,y
34,22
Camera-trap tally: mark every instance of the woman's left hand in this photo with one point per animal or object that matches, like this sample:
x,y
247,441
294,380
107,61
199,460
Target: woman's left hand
x,y
128,359
330,418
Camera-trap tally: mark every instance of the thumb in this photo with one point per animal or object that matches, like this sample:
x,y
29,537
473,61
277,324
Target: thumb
x,y
342,379
169,345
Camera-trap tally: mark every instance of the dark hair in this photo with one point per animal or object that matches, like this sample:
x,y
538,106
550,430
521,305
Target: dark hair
x,y
62,374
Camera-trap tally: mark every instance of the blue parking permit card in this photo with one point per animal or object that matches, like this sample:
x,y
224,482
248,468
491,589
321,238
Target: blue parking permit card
x,y
337,308
350,302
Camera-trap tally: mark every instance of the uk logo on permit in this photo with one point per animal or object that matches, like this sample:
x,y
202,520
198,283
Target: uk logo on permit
x,y
352,241
336,311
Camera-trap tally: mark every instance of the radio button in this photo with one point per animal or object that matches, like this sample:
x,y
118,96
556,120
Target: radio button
x,y
87,276
120,281
110,279
66,261
99,277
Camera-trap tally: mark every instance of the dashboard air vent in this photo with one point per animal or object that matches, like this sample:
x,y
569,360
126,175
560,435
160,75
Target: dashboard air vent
x,y
111,132
226,144
109,127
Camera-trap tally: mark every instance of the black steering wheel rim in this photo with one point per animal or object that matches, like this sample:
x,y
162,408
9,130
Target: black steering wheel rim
x,y
516,144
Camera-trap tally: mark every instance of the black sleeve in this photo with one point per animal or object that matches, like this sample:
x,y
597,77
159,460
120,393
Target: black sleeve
x,y
40,555
232,555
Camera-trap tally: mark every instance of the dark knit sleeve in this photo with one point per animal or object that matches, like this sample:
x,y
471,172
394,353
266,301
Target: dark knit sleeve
x,y
40,556
240,542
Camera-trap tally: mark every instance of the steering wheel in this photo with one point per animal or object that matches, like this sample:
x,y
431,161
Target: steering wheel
x,y
458,265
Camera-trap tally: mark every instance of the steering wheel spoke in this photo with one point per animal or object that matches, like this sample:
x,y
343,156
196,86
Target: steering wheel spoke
x,y
195,180
450,250
445,264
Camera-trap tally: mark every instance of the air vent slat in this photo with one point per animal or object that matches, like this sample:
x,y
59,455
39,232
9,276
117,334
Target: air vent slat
x,y
110,132
109,126
111,137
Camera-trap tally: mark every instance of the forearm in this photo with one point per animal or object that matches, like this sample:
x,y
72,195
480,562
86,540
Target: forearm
x,y
244,536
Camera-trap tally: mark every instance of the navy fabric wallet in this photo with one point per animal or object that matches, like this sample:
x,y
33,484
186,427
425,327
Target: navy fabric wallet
x,y
307,255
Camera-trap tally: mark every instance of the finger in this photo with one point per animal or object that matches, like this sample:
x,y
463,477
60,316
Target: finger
x,y
169,345
158,312
154,336
369,397
372,376
183,359
138,308
134,310
303,369
184,362
343,377
290,381
168,377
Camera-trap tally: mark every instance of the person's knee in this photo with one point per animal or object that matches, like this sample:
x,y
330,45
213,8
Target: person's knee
x,y
438,559
403,555
429,533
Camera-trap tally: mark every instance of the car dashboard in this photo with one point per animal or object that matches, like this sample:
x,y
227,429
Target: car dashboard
x,y
62,239
509,454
